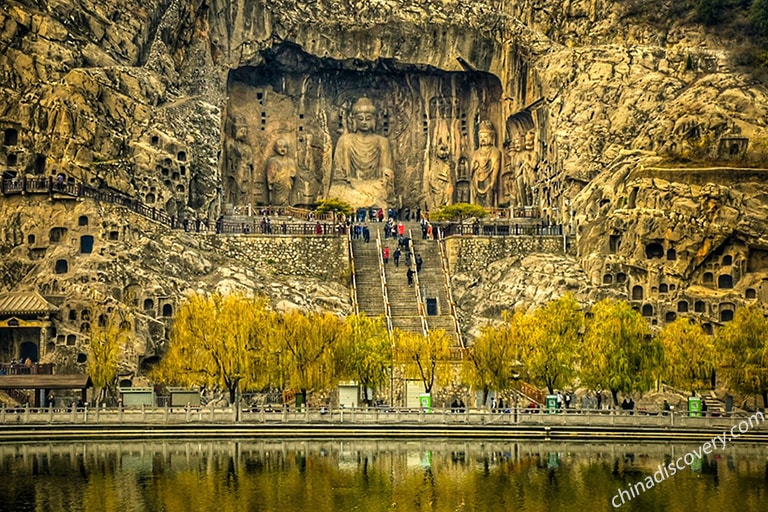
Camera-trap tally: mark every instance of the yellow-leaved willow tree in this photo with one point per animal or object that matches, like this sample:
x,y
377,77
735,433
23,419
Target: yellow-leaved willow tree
x,y
365,354
305,346
219,342
426,358
108,336
688,355
743,347
494,359
618,353
554,343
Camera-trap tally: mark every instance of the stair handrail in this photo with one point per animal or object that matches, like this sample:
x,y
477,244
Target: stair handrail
x,y
422,315
384,289
353,290
451,304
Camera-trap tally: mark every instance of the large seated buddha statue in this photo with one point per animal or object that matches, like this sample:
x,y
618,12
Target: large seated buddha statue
x,y
362,163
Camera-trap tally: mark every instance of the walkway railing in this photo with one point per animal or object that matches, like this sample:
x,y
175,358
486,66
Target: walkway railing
x,y
75,189
513,416
451,304
419,299
384,288
494,229
353,277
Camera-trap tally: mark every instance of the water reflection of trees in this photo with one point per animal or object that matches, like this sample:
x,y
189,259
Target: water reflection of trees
x,y
371,475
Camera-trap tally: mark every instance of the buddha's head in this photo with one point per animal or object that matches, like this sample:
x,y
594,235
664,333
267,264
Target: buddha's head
x,y
364,114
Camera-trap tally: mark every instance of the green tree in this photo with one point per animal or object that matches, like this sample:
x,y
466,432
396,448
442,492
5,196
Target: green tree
x,y
425,358
553,347
218,341
307,344
107,338
366,352
688,355
758,15
710,12
617,353
334,205
458,212
743,347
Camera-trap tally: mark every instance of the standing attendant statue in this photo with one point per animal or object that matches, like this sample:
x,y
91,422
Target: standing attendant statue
x,y
486,164
281,175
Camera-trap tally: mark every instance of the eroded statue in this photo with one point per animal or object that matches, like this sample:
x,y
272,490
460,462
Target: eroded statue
x,y
281,174
486,164
362,162
441,177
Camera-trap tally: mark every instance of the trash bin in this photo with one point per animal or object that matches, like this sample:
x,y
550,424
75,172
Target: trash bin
x,y
551,404
694,406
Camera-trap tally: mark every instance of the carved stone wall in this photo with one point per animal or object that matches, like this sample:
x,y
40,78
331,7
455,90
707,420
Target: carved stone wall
x,y
429,116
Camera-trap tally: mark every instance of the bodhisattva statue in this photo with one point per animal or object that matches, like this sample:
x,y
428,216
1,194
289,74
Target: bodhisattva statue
x,y
240,162
441,178
362,163
281,174
486,164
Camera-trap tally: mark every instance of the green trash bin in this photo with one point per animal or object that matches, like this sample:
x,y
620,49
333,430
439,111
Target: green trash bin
x,y
551,404
694,406
425,402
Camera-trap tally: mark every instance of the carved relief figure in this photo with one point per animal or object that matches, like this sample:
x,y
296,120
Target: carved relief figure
x,y
486,163
362,163
240,157
441,178
281,174
462,181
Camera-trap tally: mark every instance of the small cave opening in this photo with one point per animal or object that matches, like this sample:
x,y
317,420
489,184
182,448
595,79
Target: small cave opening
x,y
654,250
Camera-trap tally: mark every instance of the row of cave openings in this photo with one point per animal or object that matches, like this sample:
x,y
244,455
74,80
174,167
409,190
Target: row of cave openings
x,y
725,311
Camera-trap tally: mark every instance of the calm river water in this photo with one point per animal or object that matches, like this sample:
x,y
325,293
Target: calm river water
x,y
371,476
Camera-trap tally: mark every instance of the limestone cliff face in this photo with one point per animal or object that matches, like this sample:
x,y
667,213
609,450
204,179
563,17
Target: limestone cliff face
x,y
176,103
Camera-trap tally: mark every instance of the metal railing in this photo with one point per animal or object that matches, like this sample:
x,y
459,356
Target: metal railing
x,y
419,300
451,304
75,189
353,278
384,289
495,229
26,369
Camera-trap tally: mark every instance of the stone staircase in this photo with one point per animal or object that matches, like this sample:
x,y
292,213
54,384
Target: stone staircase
x,y
434,289
404,307
402,298
367,278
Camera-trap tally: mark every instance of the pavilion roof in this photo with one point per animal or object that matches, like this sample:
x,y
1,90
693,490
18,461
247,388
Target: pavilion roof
x,y
24,303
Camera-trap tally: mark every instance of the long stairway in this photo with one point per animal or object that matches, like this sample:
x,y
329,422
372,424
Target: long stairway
x,y
434,288
368,278
402,298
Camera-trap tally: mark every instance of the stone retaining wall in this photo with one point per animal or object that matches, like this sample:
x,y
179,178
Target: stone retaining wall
x,y
322,257
472,254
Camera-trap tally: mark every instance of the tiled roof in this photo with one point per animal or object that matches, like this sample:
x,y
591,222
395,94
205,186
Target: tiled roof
x,y
45,382
24,303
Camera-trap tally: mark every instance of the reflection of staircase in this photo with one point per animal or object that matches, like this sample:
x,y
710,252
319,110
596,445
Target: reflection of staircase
x,y
367,278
